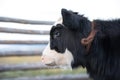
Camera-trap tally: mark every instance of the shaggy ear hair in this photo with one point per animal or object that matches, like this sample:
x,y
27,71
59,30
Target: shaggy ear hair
x,y
65,13
69,19
74,21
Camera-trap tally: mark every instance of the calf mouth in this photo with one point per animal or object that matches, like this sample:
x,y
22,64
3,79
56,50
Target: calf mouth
x,y
48,61
51,64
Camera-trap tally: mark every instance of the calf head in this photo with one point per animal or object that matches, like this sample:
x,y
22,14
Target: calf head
x,y
65,49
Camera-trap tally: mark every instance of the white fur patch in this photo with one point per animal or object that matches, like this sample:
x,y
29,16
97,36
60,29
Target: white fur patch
x,y
59,21
53,58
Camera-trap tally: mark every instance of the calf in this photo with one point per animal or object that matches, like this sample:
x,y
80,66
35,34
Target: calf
x,y
76,41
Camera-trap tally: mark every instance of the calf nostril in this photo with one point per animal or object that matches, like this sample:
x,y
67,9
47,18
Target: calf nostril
x,y
42,58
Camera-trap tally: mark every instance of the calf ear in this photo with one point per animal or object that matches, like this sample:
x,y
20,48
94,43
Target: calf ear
x,y
70,19
65,13
66,18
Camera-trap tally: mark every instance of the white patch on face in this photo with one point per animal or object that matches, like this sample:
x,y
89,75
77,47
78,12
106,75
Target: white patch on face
x,y
59,21
53,58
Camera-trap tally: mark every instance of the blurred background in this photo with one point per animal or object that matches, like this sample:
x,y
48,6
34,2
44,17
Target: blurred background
x,y
24,33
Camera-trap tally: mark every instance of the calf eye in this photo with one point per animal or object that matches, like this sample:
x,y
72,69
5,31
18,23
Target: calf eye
x,y
56,34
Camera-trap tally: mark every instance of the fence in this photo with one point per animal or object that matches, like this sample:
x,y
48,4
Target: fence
x,y
25,47
28,47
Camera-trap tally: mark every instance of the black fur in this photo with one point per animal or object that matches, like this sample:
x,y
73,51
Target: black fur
x,y
103,59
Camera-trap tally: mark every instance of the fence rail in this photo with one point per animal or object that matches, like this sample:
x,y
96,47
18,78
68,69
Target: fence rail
x,y
24,66
23,31
22,42
21,50
23,21
54,77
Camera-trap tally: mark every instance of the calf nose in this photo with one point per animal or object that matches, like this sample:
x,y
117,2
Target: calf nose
x,y
42,58
48,61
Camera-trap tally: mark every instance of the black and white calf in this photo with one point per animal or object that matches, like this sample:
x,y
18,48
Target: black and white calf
x,y
51,57
76,41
